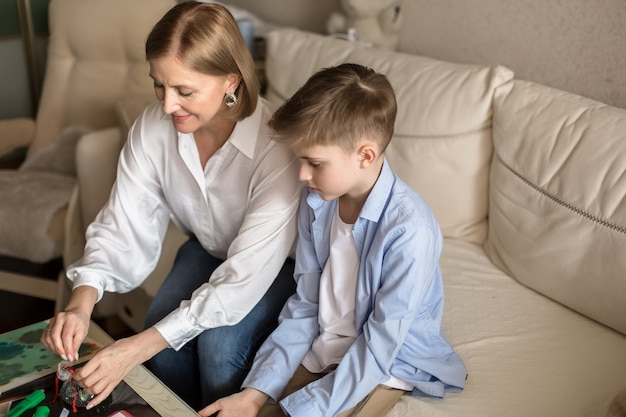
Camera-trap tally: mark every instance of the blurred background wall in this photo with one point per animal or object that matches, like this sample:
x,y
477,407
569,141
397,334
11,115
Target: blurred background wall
x,y
575,45
22,55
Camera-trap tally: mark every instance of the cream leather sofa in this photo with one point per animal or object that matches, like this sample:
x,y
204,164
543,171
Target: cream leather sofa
x,y
529,186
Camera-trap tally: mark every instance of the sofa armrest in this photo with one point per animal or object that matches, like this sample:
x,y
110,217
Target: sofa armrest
x,y
16,133
96,163
74,242
97,154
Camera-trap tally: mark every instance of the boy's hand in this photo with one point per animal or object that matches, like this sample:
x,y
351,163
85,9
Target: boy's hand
x,y
246,403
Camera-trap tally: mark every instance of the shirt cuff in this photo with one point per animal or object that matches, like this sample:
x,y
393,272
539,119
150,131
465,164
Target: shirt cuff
x,y
86,278
266,382
176,329
300,404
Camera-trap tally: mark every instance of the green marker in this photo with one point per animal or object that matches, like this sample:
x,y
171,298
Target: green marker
x,y
42,411
27,403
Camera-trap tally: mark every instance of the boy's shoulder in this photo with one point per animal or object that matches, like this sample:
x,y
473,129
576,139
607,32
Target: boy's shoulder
x,y
406,198
403,203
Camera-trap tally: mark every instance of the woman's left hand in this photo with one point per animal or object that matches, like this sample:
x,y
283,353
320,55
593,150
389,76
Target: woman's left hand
x,y
106,369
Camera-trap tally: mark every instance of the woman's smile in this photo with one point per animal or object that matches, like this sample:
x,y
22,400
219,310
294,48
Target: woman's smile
x,y
180,119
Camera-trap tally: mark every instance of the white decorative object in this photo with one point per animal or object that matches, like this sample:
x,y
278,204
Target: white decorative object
x,y
373,22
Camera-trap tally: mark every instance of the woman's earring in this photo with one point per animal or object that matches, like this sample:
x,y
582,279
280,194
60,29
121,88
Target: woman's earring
x,y
230,99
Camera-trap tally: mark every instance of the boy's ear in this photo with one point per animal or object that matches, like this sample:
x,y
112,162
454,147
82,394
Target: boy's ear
x,y
367,154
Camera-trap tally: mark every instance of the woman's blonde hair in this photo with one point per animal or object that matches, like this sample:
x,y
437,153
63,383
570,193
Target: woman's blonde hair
x,y
338,106
206,38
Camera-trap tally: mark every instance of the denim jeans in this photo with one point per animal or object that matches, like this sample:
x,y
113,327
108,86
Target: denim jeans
x,y
214,364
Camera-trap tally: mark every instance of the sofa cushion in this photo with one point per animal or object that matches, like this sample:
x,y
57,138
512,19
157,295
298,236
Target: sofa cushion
x,y
442,144
59,155
526,355
35,234
557,215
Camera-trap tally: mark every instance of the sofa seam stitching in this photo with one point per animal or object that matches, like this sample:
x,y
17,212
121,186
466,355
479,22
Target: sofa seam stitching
x,y
570,207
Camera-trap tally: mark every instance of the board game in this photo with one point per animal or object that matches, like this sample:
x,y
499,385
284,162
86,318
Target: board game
x,y
23,358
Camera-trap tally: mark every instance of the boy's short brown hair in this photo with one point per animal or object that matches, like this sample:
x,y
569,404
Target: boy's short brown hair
x,y
338,106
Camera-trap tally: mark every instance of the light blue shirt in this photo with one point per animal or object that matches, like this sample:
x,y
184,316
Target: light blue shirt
x,y
399,305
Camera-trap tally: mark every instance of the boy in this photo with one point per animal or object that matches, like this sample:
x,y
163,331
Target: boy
x,y
365,324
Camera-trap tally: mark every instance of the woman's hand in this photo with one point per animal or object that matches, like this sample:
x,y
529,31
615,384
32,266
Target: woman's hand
x,y
102,373
246,403
67,330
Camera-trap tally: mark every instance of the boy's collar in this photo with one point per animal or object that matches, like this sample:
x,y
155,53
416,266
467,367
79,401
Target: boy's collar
x,y
377,199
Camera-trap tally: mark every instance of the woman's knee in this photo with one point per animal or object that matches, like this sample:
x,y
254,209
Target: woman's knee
x,y
223,346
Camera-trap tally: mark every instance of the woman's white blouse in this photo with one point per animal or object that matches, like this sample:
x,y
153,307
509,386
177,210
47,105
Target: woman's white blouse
x,y
242,208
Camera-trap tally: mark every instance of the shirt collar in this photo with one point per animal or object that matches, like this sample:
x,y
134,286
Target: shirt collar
x,y
377,199
245,134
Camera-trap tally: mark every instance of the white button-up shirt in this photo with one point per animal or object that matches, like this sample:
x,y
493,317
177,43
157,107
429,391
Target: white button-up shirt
x,y
241,207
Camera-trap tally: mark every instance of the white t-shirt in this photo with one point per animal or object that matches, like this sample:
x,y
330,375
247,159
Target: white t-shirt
x,y
337,298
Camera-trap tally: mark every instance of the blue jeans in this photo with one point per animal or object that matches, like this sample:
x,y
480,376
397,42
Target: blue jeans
x,y
214,364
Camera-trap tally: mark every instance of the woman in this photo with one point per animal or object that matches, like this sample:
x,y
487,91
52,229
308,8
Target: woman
x,y
203,158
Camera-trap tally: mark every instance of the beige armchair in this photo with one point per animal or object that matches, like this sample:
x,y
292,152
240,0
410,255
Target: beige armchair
x,y
95,61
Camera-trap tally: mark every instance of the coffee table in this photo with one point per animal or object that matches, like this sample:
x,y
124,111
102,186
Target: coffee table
x,y
148,386
158,396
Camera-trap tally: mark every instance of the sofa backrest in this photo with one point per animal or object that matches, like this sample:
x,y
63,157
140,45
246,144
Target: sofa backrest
x,y
442,145
557,215
95,58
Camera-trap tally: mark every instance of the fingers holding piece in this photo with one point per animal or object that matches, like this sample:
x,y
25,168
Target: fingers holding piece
x,y
96,382
64,335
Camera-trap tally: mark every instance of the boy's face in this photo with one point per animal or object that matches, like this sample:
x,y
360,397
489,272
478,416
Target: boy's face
x,y
330,171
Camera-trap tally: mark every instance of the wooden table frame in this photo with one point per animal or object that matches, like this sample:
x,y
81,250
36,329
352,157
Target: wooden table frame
x,y
146,385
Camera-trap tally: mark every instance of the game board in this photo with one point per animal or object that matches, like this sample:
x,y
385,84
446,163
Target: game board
x,y
23,358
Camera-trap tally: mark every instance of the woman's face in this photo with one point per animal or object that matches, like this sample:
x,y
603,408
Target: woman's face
x,y
194,100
